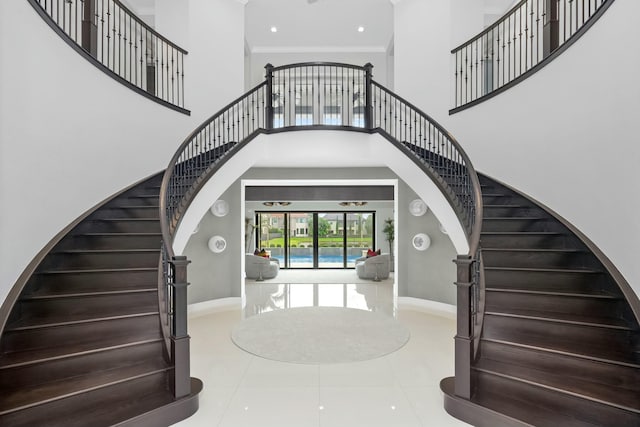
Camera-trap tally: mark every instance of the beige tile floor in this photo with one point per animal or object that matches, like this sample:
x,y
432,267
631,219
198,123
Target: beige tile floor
x,y
397,390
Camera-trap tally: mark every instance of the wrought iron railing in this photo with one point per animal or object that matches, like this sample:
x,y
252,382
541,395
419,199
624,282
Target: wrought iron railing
x,y
520,42
120,42
321,96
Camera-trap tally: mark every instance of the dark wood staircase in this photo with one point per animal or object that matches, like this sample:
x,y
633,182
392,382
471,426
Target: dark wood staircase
x,y
559,344
84,344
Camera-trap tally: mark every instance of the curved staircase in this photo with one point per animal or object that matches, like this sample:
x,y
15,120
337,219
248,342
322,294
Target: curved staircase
x,y
84,342
560,343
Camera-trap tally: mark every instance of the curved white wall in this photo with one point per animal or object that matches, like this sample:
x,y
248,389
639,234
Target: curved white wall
x,y
70,135
308,149
568,135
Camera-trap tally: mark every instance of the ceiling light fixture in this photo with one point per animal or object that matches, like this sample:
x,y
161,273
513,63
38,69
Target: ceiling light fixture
x,y
361,29
274,29
353,203
276,203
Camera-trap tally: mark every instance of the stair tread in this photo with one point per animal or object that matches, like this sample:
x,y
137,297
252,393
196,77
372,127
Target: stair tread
x,y
66,319
594,294
526,233
14,400
576,348
41,295
602,322
580,387
550,270
512,403
97,270
540,250
123,233
512,218
104,251
555,346
126,219
20,358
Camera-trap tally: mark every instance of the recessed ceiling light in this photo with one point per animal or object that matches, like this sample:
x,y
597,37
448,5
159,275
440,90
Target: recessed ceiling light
x,y
360,29
274,29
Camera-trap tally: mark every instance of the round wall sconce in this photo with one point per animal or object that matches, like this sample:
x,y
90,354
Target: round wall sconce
x,y
417,207
217,244
220,208
421,241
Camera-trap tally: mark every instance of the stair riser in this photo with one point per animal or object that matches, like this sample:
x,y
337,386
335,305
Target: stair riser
x,y
519,241
533,280
581,409
91,306
516,224
601,372
535,259
136,201
123,241
493,211
497,301
507,328
90,334
75,410
93,260
120,226
131,212
59,369
91,282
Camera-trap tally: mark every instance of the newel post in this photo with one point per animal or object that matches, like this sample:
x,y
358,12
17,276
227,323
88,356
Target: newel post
x,y
368,108
464,332
89,27
269,95
179,337
551,29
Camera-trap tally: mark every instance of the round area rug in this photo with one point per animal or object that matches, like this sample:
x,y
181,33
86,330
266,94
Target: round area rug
x,y
317,335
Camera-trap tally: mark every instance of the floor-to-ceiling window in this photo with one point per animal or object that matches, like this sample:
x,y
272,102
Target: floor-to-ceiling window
x,y
316,239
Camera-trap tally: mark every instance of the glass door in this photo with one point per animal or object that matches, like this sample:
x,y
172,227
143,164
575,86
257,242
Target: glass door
x,y
330,240
271,235
360,232
300,240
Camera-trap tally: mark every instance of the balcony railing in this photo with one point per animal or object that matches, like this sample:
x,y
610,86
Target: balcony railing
x,y
121,44
526,38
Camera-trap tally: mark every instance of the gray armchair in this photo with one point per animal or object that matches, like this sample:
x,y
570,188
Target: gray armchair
x,y
376,267
259,268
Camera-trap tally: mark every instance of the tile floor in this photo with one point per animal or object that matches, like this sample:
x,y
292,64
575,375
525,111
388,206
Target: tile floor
x,y
397,390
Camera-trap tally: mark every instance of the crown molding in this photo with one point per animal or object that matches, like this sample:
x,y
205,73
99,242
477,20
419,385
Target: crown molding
x,y
318,49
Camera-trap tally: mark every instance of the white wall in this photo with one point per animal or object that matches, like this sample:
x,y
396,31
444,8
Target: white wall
x,y
71,136
212,31
421,54
566,136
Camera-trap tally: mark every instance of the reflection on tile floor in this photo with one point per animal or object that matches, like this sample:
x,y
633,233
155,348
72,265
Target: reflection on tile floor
x,y
400,389
264,297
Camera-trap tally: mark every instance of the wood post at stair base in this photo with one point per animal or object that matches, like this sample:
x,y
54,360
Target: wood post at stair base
x,y
464,328
180,354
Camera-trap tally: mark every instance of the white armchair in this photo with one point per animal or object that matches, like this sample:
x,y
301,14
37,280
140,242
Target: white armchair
x,y
376,267
260,268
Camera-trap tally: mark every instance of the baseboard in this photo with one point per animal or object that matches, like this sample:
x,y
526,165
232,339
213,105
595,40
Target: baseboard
x,y
427,306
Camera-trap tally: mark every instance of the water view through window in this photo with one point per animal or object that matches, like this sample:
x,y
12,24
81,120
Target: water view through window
x,y
316,239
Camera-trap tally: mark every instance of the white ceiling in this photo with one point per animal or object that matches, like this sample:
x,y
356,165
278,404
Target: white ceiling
x,y
320,25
